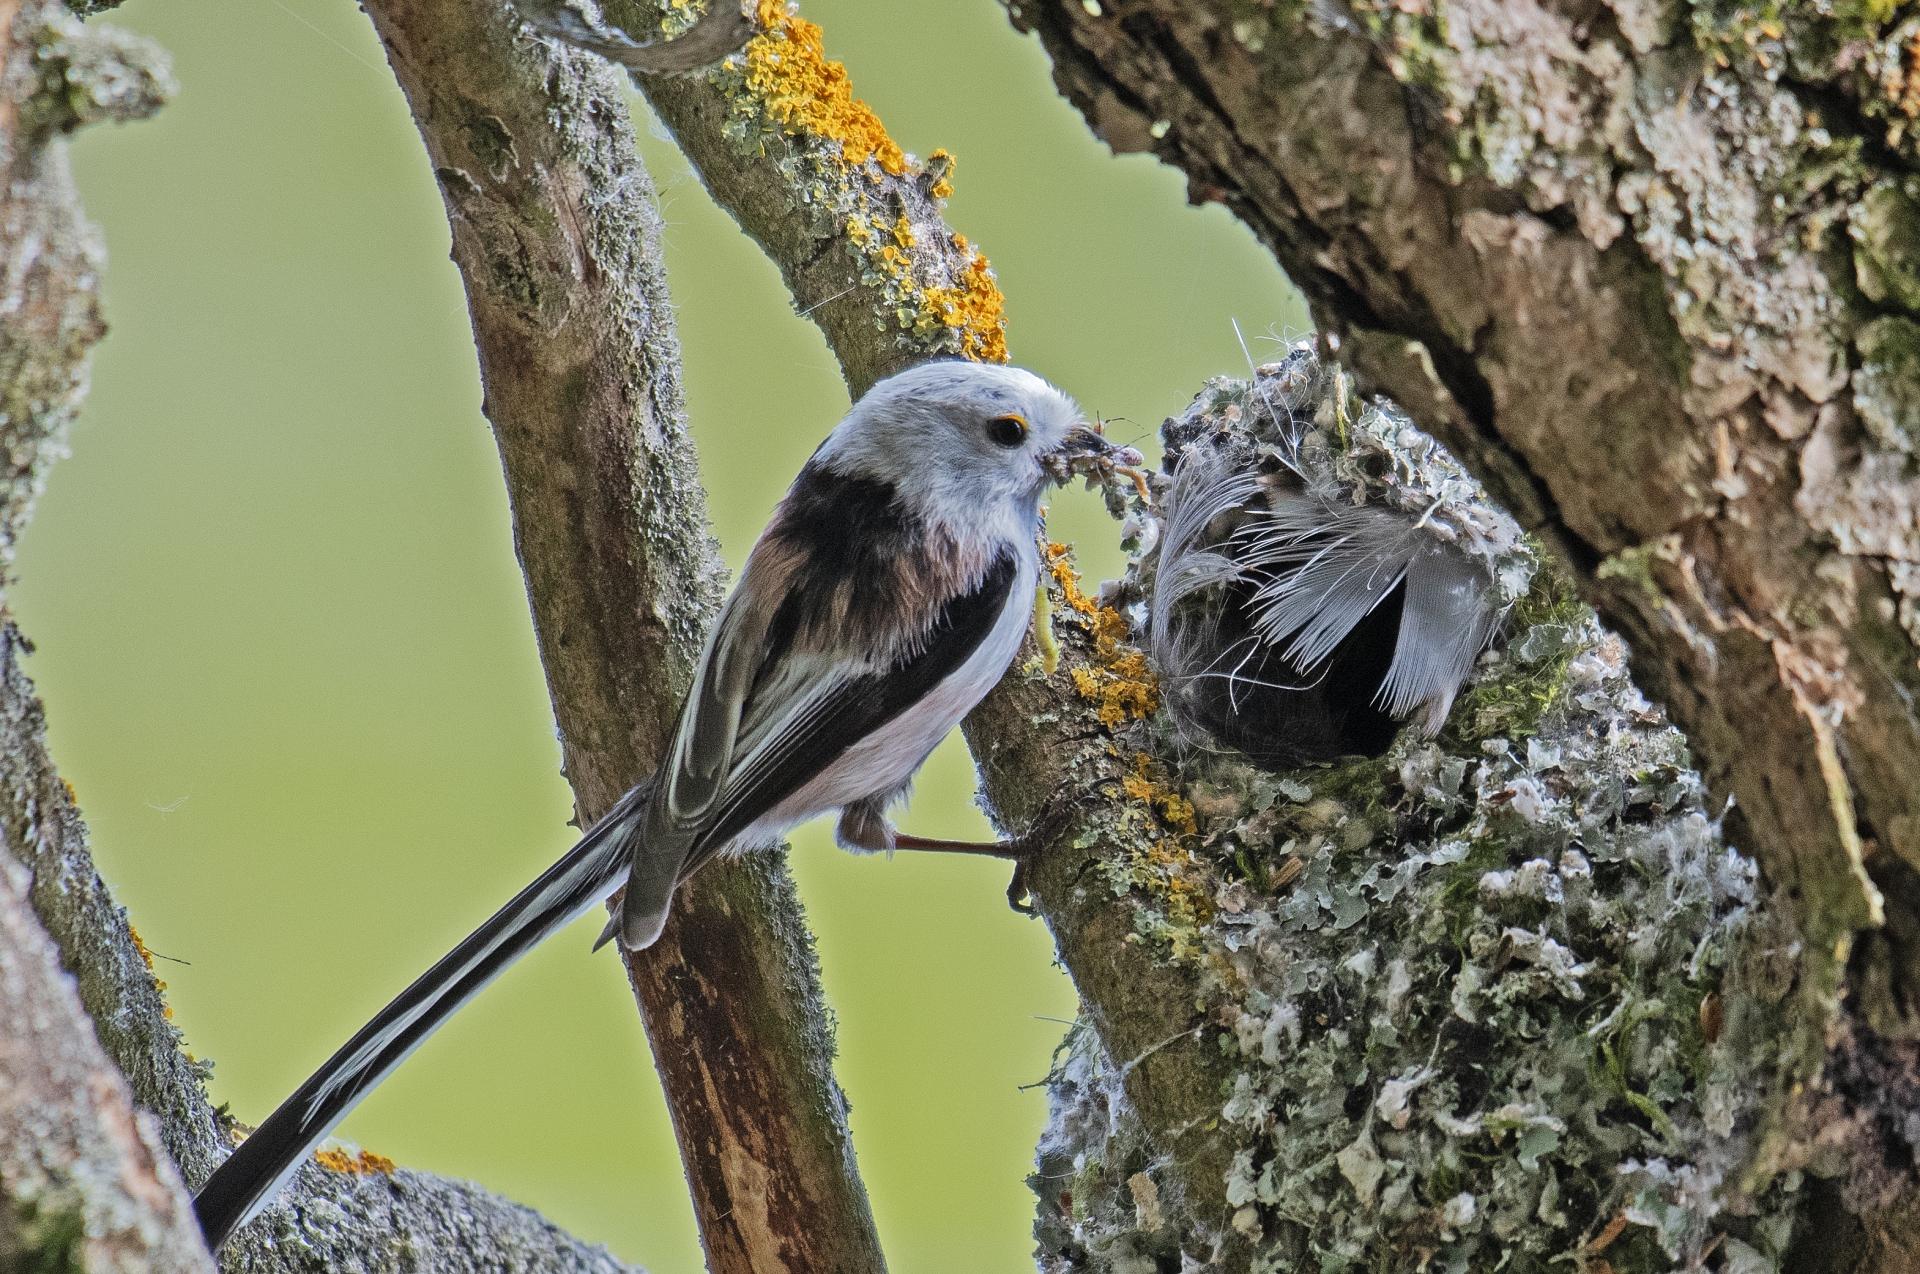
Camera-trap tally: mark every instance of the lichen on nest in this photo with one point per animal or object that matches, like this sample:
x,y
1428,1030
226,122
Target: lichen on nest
x,y
1499,1000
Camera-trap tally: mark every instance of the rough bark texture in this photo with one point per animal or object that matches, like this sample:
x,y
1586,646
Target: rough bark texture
x,y
87,1182
1465,1006
383,1220
557,240
84,1179
1649,269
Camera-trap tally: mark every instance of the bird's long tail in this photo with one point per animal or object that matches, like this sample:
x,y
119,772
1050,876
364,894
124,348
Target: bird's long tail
x,y
247,1181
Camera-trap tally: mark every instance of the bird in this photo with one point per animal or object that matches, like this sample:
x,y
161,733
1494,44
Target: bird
x,y
887,595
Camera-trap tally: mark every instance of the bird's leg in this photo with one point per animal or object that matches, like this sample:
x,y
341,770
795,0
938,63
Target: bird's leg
x,y
993,849
864,827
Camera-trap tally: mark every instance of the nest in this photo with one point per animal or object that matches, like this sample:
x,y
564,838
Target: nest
x,y
1323,572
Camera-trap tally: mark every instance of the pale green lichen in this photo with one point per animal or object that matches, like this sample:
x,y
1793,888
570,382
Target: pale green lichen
x,y
1886,385
1501,1000
46,1235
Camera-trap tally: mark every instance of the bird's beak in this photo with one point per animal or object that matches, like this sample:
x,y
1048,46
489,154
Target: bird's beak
x,y
1085,450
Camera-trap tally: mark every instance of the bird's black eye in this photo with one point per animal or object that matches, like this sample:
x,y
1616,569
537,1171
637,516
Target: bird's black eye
x,y
1008,431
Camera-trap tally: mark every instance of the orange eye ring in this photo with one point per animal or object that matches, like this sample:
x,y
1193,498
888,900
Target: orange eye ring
x,y
1008,431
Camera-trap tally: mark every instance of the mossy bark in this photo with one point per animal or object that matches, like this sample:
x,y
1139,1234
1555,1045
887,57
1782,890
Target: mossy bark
x,y
85,1180
102,1130
1496,1000
854,225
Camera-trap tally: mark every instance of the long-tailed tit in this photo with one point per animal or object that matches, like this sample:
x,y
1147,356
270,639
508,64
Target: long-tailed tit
x,y
884,599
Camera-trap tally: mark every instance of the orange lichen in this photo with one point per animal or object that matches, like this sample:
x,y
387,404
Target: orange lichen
x,y
1121,686
146,957
364,1164
943,163
1167,868
787,68
1175,808
976,310
140,946
1119,683
788,73
1060,566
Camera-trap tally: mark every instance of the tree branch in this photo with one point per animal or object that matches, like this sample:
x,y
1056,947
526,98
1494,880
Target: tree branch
x,y
853,223
1463,1005
1645,269
557,241
86,1183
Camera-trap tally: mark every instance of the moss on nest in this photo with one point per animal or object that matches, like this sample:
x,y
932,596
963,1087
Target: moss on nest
x,y
1502,1000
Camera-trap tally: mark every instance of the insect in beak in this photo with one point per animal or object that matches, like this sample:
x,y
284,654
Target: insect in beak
x,y
1085,451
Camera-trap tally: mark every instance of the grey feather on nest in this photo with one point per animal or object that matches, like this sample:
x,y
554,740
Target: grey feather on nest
x,y
1322,573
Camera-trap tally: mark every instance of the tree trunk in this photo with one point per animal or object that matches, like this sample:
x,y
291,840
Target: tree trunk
x,y
1646,269
98,1127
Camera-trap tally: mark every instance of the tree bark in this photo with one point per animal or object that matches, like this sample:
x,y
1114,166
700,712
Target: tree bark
x,y
1555,238
853,223
557,241
102,1130
87,1181
1646,269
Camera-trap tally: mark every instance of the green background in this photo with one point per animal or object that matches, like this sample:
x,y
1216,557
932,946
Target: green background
x,y
286,653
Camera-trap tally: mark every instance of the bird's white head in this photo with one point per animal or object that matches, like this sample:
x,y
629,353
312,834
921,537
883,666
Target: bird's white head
x,y
967,446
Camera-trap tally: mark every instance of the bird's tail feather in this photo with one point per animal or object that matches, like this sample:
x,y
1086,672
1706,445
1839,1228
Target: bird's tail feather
x,y
589,873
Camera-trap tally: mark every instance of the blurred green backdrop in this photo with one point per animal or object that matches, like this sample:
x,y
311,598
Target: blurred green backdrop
x,y
286,653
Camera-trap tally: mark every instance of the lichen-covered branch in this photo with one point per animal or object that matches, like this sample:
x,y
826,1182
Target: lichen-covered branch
x,y
87,1182
362,1213
557,241
58,76
98,1127
808,170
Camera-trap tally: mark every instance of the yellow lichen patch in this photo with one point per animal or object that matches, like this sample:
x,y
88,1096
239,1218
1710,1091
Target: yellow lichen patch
x,y
792,85
1060,566
1120,684
363,1164
975,310
146,957
1166,868
787,68
941,163
1175,808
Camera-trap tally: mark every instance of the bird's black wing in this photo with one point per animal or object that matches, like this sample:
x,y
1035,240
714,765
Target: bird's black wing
x,y
800,745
